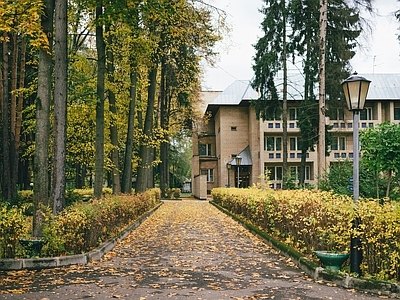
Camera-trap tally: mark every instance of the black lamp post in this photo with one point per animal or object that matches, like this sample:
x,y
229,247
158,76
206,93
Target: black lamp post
x,y
238,163
355,90
229,166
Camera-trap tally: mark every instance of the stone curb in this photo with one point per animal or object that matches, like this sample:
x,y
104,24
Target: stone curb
x,y
382,288
9,264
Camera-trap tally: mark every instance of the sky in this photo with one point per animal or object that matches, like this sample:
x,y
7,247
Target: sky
x,y
379,53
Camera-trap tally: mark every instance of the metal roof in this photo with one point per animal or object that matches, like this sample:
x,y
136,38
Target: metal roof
x,y
246,158
382,87
234,94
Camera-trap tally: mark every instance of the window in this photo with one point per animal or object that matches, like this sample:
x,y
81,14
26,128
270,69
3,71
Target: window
x,y
294,144
205,149
366,114
272,143
338,143
336,114
397,113
293,114
210,175
295,172
233,128
275,172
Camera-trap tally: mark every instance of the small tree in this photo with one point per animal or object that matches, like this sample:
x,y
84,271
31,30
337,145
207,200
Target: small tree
x,y
380,147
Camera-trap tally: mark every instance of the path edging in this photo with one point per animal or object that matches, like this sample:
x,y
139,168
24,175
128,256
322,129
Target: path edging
x,y
383,288
8,264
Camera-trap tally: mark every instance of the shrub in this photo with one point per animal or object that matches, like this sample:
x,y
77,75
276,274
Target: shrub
x,y
317,220
13,225
78,228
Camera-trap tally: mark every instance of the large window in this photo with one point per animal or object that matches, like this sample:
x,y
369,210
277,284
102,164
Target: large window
x,y
295,172
338,143
205,149
294,144
275,172
366,114
272,143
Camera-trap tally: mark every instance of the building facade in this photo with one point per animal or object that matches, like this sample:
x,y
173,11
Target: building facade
x,y
231,129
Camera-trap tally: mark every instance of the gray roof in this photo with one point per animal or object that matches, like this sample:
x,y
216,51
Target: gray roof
x,y
246,158
382,87
234,94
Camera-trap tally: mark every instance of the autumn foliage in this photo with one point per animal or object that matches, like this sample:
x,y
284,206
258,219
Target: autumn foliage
x,y
77,229
316,220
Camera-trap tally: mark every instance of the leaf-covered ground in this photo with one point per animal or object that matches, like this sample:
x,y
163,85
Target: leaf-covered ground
x,y
185,250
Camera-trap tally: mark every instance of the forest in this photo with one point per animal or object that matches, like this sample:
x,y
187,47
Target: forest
x,y
100,93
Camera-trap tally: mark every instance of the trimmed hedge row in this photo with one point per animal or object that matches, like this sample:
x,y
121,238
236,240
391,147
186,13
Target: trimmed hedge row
x,y
77,229
310,220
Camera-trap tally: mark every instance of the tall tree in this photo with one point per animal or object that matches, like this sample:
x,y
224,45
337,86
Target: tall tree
x,y
60,106
101,71
41,165
271,56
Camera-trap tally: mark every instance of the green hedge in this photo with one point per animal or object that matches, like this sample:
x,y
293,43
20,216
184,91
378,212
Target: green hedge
x,y
77,229
315,220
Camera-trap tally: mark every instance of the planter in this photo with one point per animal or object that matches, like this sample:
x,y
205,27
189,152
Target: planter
x,y
332,260
33,246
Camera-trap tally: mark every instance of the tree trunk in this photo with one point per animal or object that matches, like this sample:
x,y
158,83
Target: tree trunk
x,y
321,127
116,183
13,117
164,184
127,173
101,67
60,107
284,107
145,178
6,178
41,165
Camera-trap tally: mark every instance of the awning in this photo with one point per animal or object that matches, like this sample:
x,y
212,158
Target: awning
x,y
246,158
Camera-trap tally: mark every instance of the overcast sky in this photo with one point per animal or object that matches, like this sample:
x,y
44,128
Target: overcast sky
x,y
380,52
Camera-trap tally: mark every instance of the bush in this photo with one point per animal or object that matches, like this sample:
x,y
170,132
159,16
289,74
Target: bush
x,y
13,225
318,220
79,228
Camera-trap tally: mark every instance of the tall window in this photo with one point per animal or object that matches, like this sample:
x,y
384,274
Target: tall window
x,y
294,144
210,175
293,114
366,114
295,172
275,172
272,143
338,143
205,149
397,113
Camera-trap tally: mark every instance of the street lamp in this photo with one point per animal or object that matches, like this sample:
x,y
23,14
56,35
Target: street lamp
x,y
229,166
238,162
355,90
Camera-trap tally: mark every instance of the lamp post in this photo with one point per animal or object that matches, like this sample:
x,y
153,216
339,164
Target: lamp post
x,y
238,163
355,90
229,166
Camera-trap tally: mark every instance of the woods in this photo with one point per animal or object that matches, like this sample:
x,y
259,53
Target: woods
x,y
92,93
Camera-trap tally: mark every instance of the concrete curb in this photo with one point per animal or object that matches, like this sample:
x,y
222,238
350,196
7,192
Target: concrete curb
x,y
382,288
60,261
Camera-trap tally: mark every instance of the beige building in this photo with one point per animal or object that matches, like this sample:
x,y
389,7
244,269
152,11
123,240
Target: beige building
x,y
231,129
